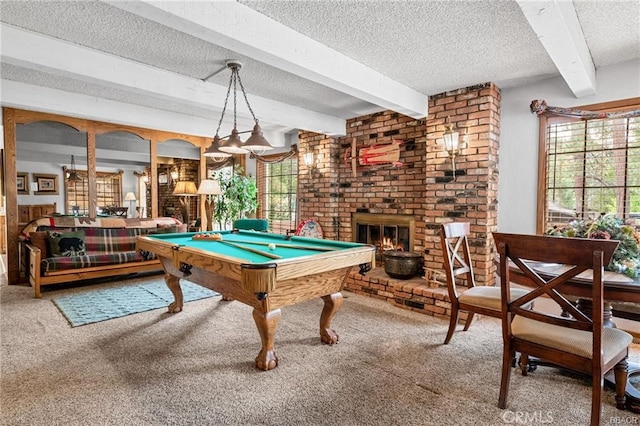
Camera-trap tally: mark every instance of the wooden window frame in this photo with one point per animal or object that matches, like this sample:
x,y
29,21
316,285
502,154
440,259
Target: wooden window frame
x,y
545,120
263,185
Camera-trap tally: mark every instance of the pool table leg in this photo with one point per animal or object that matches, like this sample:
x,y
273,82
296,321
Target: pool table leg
x,y
173,283
332,303
267,322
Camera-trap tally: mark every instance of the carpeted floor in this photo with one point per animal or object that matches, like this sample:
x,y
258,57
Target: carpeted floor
x,y
92,305
197,368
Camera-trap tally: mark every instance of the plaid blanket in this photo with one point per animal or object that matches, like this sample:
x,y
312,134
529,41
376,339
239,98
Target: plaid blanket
x,y
110,240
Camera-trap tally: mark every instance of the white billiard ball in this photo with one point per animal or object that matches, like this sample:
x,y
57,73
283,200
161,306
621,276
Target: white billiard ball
x,y
272,246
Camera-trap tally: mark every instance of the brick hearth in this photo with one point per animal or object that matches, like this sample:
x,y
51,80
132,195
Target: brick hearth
x,y
416,294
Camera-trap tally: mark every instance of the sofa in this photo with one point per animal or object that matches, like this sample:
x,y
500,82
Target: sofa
x,y
60,249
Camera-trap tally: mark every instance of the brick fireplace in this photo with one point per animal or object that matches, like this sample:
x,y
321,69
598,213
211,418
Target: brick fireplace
x,y
423,190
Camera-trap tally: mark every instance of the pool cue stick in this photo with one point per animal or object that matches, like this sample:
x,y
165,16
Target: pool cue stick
x,y
293,246
256,251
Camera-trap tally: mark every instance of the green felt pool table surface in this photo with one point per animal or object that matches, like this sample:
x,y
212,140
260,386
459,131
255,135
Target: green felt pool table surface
x,y
258,241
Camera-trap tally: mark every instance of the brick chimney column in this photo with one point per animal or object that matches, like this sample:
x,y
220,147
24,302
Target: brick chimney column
x,y
472,194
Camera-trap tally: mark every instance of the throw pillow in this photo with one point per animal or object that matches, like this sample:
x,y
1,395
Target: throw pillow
x,y
66,243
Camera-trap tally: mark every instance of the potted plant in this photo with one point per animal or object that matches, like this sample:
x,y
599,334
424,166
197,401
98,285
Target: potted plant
x,y
626,258
239,196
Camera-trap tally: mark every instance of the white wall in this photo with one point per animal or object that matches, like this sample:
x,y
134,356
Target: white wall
x,y
517,193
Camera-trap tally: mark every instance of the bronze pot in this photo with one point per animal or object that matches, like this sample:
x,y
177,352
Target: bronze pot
x,y
402,264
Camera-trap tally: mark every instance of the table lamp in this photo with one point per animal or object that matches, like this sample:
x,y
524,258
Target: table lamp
x,y
131,198
185,189
209,187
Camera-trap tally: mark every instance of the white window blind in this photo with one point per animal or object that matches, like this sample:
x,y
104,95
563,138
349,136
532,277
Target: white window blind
x,y
593,167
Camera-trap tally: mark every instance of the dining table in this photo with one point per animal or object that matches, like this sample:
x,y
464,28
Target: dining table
x,y
617,288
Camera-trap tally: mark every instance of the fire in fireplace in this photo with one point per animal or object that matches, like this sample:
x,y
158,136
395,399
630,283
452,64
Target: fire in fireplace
x,y
385,231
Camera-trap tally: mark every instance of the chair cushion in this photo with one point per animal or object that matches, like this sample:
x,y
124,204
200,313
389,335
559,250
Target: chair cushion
x,y
488,297
577,342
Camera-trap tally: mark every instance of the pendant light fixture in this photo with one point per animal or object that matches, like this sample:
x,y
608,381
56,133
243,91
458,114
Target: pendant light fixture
x,y
224,147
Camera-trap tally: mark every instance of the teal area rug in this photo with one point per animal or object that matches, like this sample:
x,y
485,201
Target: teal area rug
x,y
104,304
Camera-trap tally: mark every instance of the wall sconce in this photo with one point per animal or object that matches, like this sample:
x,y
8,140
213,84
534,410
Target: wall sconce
x,y
174,175
307,158
451,144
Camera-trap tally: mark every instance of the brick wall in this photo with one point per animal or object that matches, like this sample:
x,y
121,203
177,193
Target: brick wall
x,y
188,170
331,193
473,195
424,186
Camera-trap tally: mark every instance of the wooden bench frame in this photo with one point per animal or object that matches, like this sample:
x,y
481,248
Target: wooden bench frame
x,y
37,280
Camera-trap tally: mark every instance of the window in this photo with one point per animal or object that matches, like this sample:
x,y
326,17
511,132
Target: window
x,y
109,192
592,166
278,184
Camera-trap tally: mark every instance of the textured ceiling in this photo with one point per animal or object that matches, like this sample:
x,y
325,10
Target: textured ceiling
x,y
427,47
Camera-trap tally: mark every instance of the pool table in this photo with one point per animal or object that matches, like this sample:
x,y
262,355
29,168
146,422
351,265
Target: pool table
x,y
265,271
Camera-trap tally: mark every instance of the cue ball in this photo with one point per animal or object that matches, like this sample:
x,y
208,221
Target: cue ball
x,y
272,246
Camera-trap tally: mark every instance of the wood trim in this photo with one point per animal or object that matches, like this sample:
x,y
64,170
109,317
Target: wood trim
x,y
619,105
92,182
11,192
541,202
13,116
99,127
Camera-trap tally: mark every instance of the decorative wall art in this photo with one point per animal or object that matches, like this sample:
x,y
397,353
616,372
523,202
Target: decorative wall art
x,y
163,178
374,155
47,184
22,182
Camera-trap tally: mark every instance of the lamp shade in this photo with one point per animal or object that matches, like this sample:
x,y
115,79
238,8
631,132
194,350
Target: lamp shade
x,y
214,150
233,144
256,142
185,188
130,196
209,187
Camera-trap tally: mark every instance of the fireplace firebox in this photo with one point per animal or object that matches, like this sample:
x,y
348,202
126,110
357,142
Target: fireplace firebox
x,y
385,231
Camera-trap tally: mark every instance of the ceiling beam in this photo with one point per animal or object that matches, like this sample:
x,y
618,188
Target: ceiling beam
x,y
239,28
44,54
556,24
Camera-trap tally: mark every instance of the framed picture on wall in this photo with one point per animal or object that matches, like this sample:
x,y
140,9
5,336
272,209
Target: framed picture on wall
x,y
47,184
22,182
163,178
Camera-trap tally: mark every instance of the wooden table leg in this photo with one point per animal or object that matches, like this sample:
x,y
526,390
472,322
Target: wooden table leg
x,y
267,324
332,302
632,394
173,283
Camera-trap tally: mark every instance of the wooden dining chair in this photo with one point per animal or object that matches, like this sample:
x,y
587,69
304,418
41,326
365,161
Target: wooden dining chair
x,y
579,342
483,300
